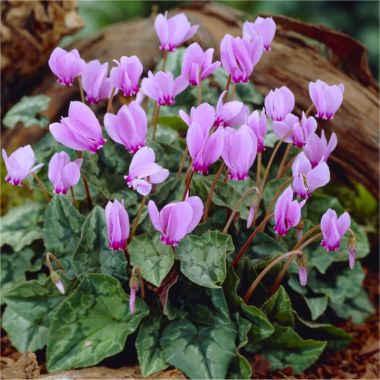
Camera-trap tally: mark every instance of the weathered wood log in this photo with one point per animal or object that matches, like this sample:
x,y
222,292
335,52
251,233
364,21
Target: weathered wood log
x,y
300,53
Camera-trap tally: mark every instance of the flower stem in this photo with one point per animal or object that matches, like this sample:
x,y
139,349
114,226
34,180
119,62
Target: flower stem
x,y
142,287
49,256
164,59
271,159
283,161
259,228
188,180
75,203
227,87
183,159
212,189
137,219
258,174
237,206
199,91
155,119
81,90
307,113
233,91
253,286
42,187
110,99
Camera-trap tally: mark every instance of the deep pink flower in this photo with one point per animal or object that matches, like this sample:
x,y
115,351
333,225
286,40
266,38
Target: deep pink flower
x,y
177,219
296,131
287,212
143,171
205,147
95,82
163,88
173,31
333,229
317,149
80,130
117,221
239,56
326,99
197,64
279,102
66,65
262,26
258,124
307,179
239,153
63,173
128,127
20,164
126,75
230,114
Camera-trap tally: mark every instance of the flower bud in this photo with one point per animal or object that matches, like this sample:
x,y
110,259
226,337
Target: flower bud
x,y
351,250
134,286
56,279
302,269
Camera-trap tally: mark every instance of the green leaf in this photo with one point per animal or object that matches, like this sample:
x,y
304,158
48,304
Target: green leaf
x,y
91,324
149,352
201,352
62,227
317,306
285,348
152,257
20,226
92,254
278,308
265,247
203,258
30,307
174,122
27,112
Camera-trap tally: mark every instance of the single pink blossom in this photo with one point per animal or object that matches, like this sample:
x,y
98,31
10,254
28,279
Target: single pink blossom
x,y
258,124
318,149
262,26
333,229
117,221
278,103
231,113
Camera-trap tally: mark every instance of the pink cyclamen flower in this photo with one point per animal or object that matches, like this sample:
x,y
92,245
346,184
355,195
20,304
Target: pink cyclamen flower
x,y
279,102
80,130
287,212
128,127
239,153
317,149
205,147
20,164
333,229
240,56
173,31
63,173
126,75
95,82
302,275
66,65
258,124
143,171
262,26
251,216
163,88
307,179
292,130
326,99
177,219
230,114
132,300
117,221
197,64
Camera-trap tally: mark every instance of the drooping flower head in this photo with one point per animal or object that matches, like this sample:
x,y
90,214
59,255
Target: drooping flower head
x,y
292,130
307,179
287,212
262,26
333,229
302,269
20,164
317,149
126,75
279,102
143,171
173,31
80,130
128,127
205,146
177,219
258,124
240,56
163,88
95,82
230,114
63,173
239,153
66,65
326,99
197,64
117,221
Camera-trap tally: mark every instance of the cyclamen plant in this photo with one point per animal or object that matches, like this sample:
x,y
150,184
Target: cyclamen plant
x,y
203,253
